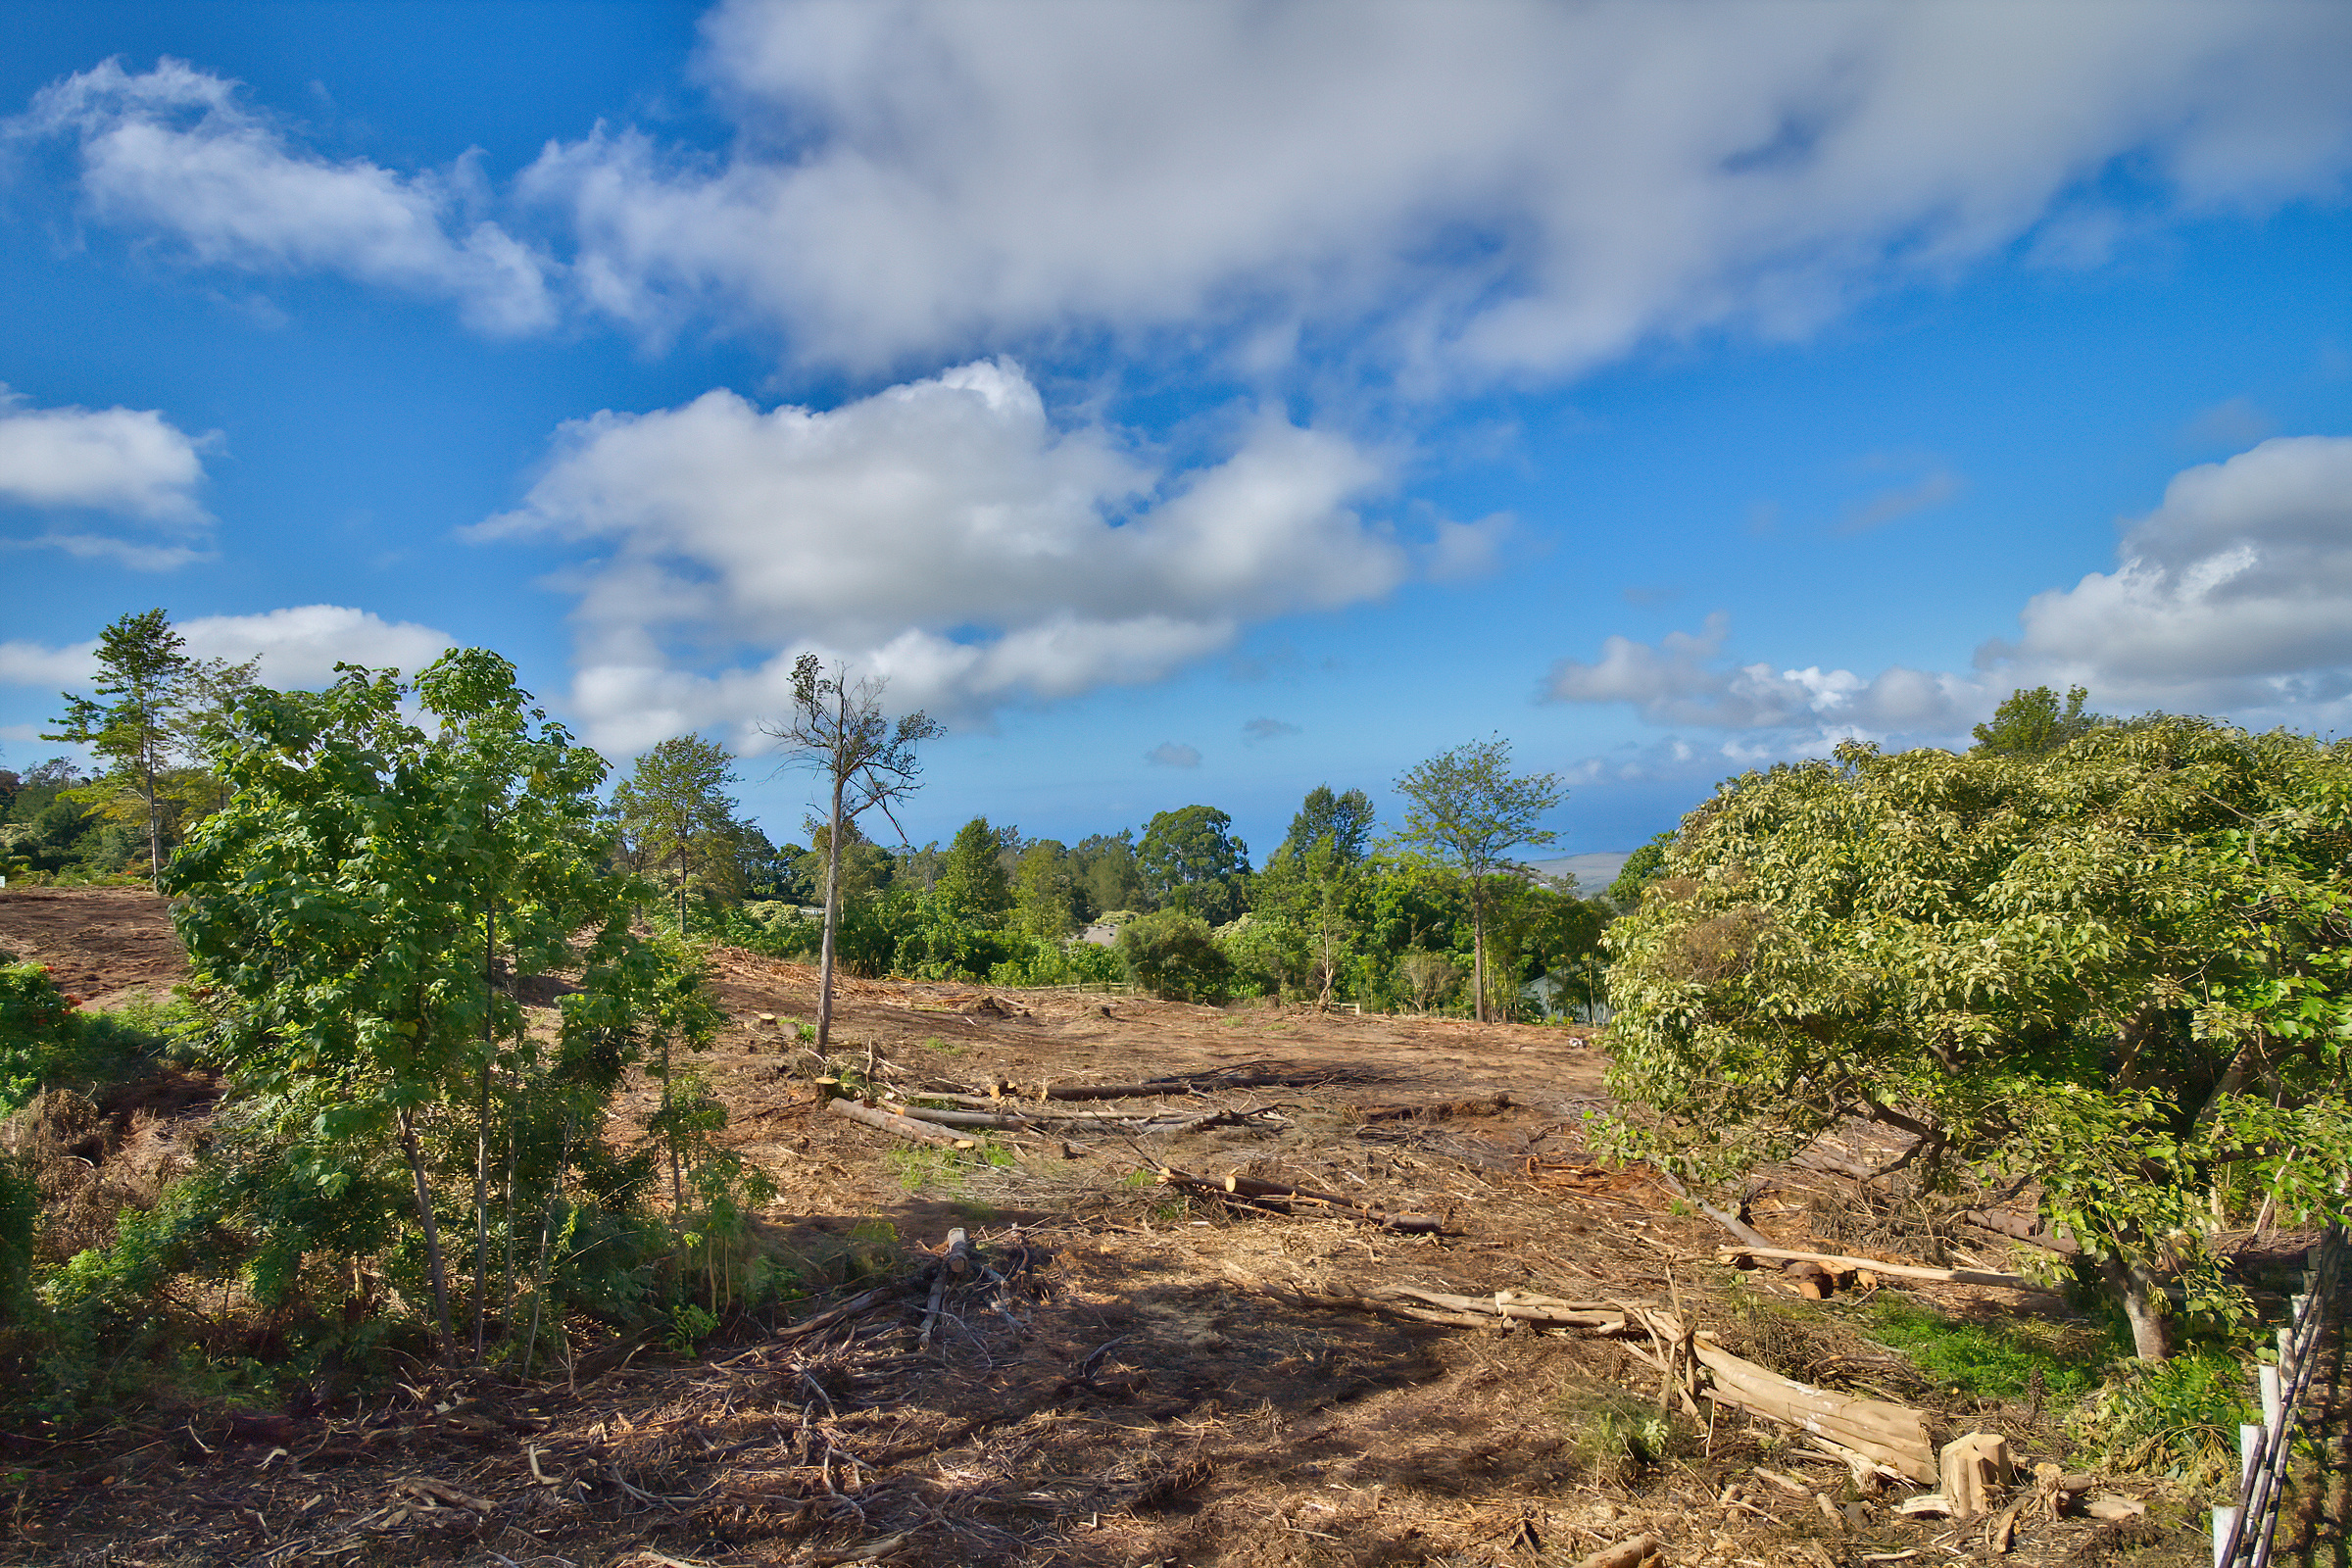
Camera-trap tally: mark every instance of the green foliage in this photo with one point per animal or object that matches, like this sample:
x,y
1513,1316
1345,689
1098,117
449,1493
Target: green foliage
x,y
675,813
2178,1418
1193,862
1174,956
347,911
1107,875
162,699
1045,898
1468,810
1060,963
972,886
1642,868
1618,1432
2032,723
1346,820
2114,970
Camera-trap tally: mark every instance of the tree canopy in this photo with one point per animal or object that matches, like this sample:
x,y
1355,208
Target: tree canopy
x,y
2107,973
1467,810
1191,859
2035,723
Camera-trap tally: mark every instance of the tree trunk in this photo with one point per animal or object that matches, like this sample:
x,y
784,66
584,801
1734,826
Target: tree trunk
x,y
481,1131
824,967
2143,1306
154,816
432,1228
1478,950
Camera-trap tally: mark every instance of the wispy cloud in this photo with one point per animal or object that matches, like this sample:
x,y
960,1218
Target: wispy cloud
x,y
1260,730
1173,754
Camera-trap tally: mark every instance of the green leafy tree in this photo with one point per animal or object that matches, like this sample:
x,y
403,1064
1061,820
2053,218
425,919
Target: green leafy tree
x,y
1642,868
972,885
2107,975
1174,956
1108,878
1468,810
675,811
161,697
1344,819
2034,723
838,729
355,907
1191,860
1045,895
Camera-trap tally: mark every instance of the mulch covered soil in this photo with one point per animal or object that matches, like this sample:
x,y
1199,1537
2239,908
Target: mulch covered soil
x,y
1128,1376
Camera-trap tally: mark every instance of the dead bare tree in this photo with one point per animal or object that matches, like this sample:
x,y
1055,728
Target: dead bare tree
x,y
837,728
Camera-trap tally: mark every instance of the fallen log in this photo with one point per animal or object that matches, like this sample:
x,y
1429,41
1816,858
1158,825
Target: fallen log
x,y
2022,1228
921,1132
1629,1553
1891,1435
1812,1281
1525,1309
849,1308
1899,1271
1276,1196
1156,1088
1029,1120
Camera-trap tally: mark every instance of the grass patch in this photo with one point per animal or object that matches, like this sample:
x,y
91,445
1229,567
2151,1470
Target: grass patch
x,y
1617,1432
933,1169
943,1047
2002,1360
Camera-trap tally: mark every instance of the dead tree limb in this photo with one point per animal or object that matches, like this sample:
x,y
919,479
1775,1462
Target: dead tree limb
x,y
1900,1271
1276,1198
921,1132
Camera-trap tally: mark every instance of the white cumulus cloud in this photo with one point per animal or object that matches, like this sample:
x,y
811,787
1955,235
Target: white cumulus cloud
x,y
298,647
1683,679
175,150
2236,590
1481,189
2233,597
945,533
131,464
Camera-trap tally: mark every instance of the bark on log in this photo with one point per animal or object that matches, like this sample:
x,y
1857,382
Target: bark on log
x,y
1527,1309
1624,1554
921,1132
1886,1433
1256,1194
2022,1228
1810,1277
1900,1271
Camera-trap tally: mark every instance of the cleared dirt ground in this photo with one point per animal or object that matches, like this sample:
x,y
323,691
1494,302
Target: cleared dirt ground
x,y
1133,1378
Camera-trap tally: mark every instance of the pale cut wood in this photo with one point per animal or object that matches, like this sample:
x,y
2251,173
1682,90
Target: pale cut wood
x,y
1256,1194
1898,1271
921,1132
1527,1309
1625,1554
1892,1435
1969,1467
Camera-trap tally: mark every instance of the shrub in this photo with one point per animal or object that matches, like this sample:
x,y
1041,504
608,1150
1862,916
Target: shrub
x,y
1174,957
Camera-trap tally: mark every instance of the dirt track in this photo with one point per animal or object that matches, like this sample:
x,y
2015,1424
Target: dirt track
x,y
1146,1380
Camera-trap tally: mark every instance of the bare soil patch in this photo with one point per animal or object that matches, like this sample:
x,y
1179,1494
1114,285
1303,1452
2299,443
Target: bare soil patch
x,y
103,945
1134,1378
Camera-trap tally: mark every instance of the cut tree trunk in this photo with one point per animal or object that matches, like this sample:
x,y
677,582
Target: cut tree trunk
x,y
1886,1433
1276,1196
1900,1271
1812,1279
921,1132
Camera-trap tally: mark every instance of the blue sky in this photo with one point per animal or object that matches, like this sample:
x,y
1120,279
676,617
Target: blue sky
x,y
1196,402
